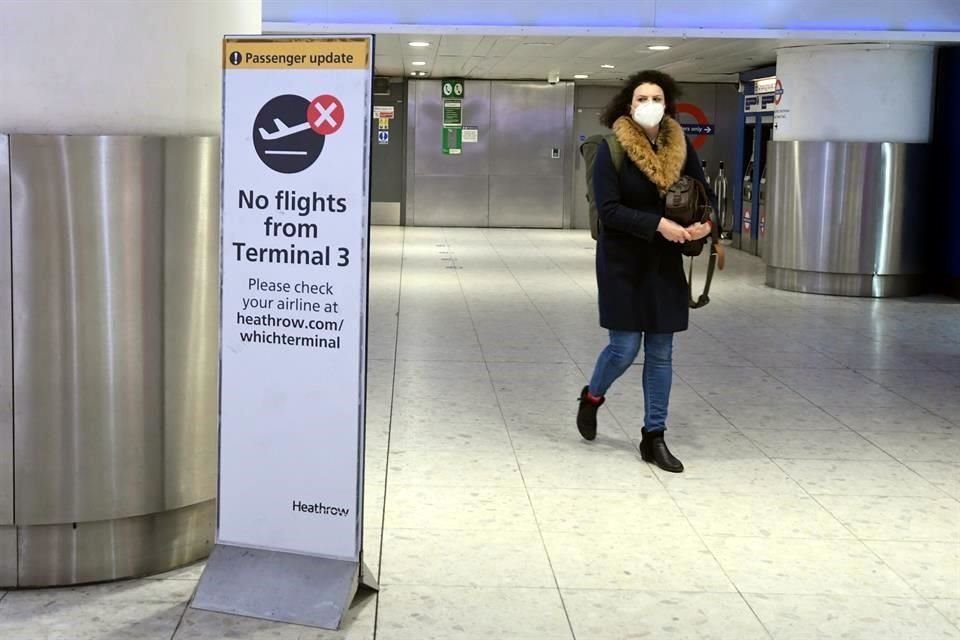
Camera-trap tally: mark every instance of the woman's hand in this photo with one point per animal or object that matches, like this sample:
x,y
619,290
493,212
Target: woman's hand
x,y
699,230
672,231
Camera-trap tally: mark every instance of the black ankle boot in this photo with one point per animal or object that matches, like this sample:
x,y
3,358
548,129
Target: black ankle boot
x,y
653,448
587,415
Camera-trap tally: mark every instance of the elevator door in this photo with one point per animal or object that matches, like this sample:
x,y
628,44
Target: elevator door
x,y
447,190
516,173
528,151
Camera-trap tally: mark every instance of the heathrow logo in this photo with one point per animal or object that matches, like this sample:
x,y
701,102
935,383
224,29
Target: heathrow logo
x,y
289,131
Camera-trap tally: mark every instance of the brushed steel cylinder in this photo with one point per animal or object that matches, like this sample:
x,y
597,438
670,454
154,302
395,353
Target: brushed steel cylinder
x,y
115,299
66,554
847,218
844,284
6,352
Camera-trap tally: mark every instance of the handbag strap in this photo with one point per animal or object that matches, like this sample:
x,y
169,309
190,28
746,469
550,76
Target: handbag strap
x,y
704,197
717,259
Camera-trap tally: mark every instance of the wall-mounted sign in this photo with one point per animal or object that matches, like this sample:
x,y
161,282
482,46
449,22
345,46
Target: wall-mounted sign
x,y
451,94
762,103
765,85
700,128
767,93
470,134
452,140
452,88
384,112
452,113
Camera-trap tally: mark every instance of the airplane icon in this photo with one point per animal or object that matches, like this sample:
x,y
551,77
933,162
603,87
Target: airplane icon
x,y
282,130
281,137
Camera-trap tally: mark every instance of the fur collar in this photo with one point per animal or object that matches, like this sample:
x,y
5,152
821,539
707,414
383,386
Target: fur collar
x,y
662,168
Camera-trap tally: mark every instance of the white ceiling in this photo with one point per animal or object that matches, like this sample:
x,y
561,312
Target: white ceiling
x,y
532,57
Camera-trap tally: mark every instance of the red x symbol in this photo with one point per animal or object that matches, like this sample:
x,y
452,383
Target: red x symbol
x,y
325,115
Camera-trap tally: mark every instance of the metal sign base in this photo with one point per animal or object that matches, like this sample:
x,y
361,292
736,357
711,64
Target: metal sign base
x,y
283,587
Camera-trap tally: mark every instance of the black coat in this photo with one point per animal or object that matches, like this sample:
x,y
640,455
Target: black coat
x,y
640,278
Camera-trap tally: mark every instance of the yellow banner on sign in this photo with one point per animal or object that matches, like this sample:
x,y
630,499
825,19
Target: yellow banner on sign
x,y
328,53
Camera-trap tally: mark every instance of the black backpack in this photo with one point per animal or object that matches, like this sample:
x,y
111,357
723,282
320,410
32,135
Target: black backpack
x,y
588,151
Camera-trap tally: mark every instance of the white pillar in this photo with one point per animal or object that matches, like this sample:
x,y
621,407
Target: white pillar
x,y
131,223
146,67
845,216
855,93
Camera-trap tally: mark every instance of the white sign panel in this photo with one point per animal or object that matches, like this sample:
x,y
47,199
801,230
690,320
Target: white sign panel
x,y
852,84
384,112
295,211
765,85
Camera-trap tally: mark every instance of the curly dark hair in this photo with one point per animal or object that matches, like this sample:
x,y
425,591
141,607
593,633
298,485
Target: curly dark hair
x,y
620,105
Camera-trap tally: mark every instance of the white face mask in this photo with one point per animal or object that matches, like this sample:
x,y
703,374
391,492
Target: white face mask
x,y
648,114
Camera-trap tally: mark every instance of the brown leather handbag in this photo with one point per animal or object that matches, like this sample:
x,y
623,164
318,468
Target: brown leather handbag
x,y
686,203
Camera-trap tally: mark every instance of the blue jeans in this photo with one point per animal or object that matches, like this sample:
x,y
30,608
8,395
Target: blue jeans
x,y
617,357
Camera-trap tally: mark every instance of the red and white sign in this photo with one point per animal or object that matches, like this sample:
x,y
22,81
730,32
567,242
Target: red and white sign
x,y
383,113
701,118
325,115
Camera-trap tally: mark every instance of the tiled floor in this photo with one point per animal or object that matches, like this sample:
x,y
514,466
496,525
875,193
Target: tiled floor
x,y
821,438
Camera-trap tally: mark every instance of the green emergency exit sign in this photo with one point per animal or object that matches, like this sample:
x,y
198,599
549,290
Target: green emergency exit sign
x,y
451,93
452,89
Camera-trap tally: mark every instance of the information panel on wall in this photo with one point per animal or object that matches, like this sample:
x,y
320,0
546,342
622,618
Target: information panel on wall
x,y
452,95
295,225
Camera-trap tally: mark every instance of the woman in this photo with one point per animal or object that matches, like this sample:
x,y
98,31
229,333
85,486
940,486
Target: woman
x,y
643,293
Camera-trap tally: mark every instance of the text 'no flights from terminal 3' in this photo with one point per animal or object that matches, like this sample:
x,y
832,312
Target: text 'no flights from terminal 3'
x,y
287,201
294,255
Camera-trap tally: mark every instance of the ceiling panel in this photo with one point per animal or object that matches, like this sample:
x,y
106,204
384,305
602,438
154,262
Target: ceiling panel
x,y
391,46
458,45
606,48
502,46
525,58
483,49
451,65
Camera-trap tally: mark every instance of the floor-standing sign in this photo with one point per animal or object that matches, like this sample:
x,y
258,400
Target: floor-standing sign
x,y
294,255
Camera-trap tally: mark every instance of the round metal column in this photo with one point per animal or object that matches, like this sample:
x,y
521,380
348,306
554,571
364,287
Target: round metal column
x,y
847,218
114,246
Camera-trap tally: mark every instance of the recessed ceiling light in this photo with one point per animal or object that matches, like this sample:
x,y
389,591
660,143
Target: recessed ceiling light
x,y
607,66
659,47
419,63
422,74
413,73
581,76
419,44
